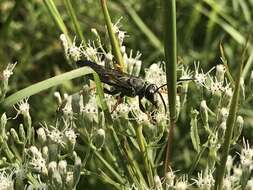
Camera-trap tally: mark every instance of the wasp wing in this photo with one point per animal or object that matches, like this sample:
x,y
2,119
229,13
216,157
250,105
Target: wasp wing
x,y
117,79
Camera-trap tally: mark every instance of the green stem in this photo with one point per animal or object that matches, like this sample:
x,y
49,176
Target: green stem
x,y
57,17
221,166
74,20
108,166
170,50
113,39
83,134
139,179
144,153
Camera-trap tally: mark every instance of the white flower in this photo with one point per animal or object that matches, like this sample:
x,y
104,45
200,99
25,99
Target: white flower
x,y
65,43
181,184
216,86
36,161
8,71
122,110
91,53
227,184
133,63
246,156
55,135
199,76
155,74
237,172
249,185
142,118
75,52
119,33
186,73
158,183
205,180
169,178
67,109
6,182
91,106
70,135
23,107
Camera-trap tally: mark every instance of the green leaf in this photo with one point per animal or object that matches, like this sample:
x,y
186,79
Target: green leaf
x,y
43,85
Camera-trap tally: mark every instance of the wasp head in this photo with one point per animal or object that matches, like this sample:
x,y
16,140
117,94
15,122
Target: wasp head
x,y
150,94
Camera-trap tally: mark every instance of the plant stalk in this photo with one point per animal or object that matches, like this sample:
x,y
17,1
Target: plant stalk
x,y
170,51
114,42
221,166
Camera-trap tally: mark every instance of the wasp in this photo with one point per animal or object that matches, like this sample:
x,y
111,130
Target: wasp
x,y
125,84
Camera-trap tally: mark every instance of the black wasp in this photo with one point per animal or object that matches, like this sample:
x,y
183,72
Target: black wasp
x,y
125,84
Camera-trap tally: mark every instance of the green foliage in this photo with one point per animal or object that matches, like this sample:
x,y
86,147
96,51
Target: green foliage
x,y
97,149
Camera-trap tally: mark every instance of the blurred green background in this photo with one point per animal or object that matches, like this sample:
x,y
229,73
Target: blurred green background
x,y
29,36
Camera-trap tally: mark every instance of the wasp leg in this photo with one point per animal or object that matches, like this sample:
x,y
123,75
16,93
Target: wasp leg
x,y
119,101
111,92
151,116
141,106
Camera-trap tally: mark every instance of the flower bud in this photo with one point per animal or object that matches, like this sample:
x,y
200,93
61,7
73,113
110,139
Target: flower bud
x,y
108,57
204,113
229,164
67,110
238,128
169,178
2,126
223,114
62,168
77,170
221,130
56,180
34,150
249,185
70,137
94,31
14,136
220,71
42,137
99,139
228,93
21,132
57,95
184,92
52,168
70,180
45,152
137,68
158,183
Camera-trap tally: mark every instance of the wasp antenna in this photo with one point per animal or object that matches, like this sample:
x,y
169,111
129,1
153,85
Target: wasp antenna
x,y
165,109
160,87
179,81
